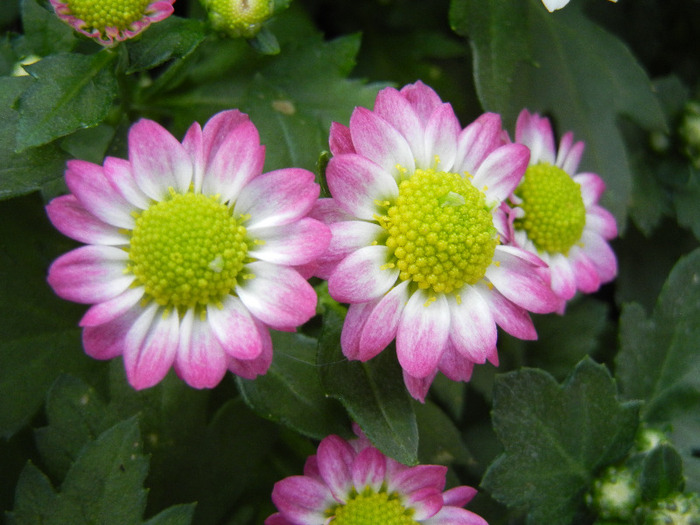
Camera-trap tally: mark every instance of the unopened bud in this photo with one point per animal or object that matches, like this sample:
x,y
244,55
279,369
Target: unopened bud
x,y
239,18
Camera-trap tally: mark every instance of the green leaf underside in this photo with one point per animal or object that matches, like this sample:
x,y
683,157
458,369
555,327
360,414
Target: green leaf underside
x,y
556,437
71,92
563,65
291,392
373,393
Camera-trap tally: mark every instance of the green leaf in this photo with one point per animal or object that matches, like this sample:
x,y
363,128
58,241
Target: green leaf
x,y
372,392
71,92
658,361
440,440
292,97
291,392
564,65
44,32
76,416
172,39
39,336
22,173
175,515
686,201
556,438
662,473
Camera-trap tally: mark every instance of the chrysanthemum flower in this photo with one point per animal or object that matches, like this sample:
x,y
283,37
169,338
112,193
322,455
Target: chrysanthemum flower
x,y
353,483
111,21
416,247
556,213
192,252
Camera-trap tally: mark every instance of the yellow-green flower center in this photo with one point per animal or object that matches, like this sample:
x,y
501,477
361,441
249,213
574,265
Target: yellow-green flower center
x,y
188,251
239,17
554,211
440,231
101,14
373,508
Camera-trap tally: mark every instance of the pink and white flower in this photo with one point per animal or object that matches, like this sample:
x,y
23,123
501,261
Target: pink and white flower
x,y
576,251
111,21
192,252
353,482
417,223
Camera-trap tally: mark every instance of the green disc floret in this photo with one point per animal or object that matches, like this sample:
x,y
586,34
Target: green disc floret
x,y
373,508
188,251
554,211
101,14
440,231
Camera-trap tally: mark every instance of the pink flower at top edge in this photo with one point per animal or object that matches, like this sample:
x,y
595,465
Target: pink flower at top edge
x,y
192,252
346,479
590,261
116,20
411,191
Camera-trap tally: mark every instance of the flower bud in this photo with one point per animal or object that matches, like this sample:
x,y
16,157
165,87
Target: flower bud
x,y
615,495
238,18
677,509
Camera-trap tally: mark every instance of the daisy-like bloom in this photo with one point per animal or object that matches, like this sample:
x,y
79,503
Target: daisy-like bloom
x,y
416,247
353,483
192,252
556,215
111,21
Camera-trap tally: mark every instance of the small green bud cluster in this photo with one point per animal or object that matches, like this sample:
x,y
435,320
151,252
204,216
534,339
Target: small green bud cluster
x,y
689,131
645,488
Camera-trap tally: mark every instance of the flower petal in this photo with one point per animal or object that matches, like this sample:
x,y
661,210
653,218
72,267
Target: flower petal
x,y
361,276
509,316
382,323
380,142
335,460
106,341
601,222
587,278
501,172
109,310
118,173
88,183
441,139
368,470
200,361
251,368
234,160
302,500
514,277
277,197
411,479
277,295
602,256
357,184
423,99
393,107
90,274
349,236
418,386
150,346
424,502
291,244
535,132
592,187
158,160
422,333
569,154
352,328
459,496
477,141
563,280
455,516
235,329
472,327
73,220
454,365
340,140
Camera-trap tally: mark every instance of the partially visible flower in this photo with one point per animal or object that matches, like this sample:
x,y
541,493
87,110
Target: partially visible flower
x,y
553,5
111,21
353,483
417,228
676,509
556,215
616,494
238,18
192,252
